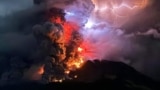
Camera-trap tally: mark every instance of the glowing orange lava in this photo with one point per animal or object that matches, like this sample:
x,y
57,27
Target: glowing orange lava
x,y
69,28
80,49
75,64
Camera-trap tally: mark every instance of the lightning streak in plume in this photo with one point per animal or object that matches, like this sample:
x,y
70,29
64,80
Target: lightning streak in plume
x,y
114,11
99,32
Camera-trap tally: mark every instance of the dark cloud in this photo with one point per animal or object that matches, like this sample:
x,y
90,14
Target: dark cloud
x,y
145,19
18,45
143,30
16,37
10,6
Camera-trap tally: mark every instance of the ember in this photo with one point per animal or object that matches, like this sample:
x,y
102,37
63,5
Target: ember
x,y
80,49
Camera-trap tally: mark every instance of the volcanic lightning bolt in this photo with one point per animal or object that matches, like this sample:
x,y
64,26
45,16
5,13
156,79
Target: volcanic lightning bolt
x,y
74,36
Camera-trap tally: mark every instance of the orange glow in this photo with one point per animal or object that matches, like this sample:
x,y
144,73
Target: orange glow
x,y
80,49
88,51
77,60
68,30
58,80
75,64
41,70
141,3
68,27
67,72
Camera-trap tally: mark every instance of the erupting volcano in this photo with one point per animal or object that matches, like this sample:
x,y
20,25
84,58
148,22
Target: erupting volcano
x,y
73,34
62,42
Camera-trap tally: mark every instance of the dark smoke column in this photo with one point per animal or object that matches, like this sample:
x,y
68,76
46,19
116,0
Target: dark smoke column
x,y
50,36
53,69
54,66
59,41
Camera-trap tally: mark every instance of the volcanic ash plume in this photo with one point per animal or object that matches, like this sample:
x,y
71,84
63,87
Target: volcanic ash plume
x,y
52,43
79,30
102,36
59,38
59,42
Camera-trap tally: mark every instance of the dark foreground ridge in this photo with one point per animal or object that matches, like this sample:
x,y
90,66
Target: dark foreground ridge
x,y
103,75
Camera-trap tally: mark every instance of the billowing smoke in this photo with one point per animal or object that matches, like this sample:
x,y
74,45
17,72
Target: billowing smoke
x,y
127,32
121,30
17,40
8,7
102,27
